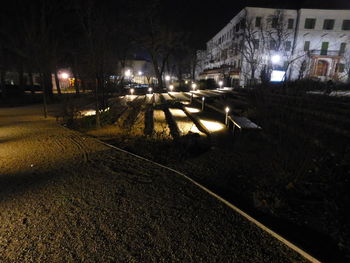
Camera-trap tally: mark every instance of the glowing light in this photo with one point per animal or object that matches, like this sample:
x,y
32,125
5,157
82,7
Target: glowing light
x,y
194,85
192,110
64,75
127,73
203,98
132,91
227,109
150,90
221,83
212,126
167,77
88,113
140,73
275,59
277,75
186,82
171,87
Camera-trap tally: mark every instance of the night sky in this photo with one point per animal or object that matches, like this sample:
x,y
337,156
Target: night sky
x,y
204,19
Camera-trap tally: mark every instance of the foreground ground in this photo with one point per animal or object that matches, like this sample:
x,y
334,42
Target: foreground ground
x,y
292,174
66,198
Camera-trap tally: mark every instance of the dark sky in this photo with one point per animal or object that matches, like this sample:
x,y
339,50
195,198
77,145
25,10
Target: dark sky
x,y
205,18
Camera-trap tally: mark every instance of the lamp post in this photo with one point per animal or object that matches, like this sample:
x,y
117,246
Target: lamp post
x,y
171,87
127,74
132,91
203,102
150,90
227,110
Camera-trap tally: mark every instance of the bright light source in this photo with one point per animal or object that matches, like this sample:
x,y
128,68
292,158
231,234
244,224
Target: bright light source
x,y
227,109
132,91
140,73
186,82
167,77
275,59
88,113
171,87
203,98
221,83
127,73
194,85
277,75
64,75
149,90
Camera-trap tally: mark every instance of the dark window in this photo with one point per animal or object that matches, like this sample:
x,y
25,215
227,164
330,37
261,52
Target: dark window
x,y
310,23
258,21
290,23
328,24
237,27
288,45
307,46
256,43
342,49
272,45
346,25
242,22
324,48
340,67
274,22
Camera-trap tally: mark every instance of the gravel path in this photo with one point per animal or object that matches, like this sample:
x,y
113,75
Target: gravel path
x,y
67,198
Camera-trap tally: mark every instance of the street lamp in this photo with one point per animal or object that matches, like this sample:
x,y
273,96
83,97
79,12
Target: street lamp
x,y
150,90
221,83
275,59
132,91
127,73
203,100
140,73
227,110
167,77
171,87
194,85
64,75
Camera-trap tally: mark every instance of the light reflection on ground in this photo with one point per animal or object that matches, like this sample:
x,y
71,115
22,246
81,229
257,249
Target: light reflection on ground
x,y
184,124
212,126
192,110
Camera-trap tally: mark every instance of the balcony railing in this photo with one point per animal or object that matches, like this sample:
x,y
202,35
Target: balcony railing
x,y
324,52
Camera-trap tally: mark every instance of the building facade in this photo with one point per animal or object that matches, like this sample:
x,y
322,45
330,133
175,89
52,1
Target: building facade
x,y
278,44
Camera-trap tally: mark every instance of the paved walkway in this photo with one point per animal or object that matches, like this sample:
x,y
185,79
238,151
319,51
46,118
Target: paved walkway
x,y
67,198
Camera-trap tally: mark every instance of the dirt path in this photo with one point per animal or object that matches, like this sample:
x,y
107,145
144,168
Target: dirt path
x,y
68,198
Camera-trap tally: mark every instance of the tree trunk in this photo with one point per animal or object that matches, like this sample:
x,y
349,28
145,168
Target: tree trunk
x,y
75,83
43,85
97,107
58,87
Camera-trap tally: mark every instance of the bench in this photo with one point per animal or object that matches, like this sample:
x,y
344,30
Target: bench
x,y
242,123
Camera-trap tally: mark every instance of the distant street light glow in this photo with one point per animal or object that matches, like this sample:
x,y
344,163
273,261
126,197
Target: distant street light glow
x,y
171,87
127,73
132,91
140,73
167,77
64,75
275,59
194,85
221,83
150,90
227,109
